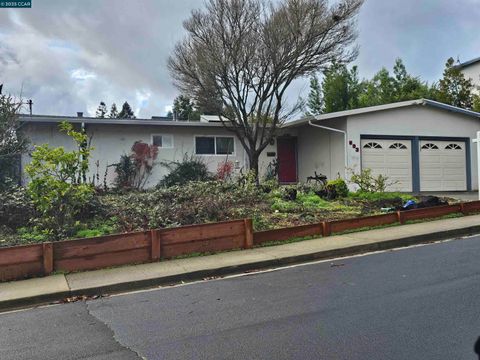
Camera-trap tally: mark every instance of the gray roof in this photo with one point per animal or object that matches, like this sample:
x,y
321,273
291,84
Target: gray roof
x,y
468,63
370,109
98,121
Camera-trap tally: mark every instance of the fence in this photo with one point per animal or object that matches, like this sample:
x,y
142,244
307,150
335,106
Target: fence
x,y
138,247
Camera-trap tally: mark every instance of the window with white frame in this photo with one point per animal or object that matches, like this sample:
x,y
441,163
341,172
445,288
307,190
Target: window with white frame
x,y
163,141
214,145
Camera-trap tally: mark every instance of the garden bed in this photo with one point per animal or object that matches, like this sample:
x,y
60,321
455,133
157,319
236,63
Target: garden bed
x,y
270,207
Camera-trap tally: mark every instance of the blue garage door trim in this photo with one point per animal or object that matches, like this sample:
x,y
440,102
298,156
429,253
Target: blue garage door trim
x,y
416,154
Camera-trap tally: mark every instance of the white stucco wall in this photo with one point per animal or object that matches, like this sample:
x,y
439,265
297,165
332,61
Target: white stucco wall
x,y
111,141
321,150
473,72
413,121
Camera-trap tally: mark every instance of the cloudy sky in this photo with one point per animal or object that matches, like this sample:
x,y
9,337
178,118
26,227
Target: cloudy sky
x,y
70,55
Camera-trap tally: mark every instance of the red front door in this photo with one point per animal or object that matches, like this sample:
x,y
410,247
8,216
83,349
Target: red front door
x,y
287,159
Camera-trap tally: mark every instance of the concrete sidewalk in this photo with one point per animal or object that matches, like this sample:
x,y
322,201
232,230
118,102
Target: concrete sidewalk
x,y
37,291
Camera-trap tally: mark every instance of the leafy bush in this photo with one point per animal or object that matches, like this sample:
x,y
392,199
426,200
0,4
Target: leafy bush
x,y
337,188
366,182
182,172
134,170
16,207
57,187
225,170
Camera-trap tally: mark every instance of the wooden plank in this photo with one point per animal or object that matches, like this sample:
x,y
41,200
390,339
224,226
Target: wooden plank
x,y
361,222
201,232
248,233
203,246
20,271
431,212
103,260
100,245
155,248
47,258
470,207
287,233
20,254
326,229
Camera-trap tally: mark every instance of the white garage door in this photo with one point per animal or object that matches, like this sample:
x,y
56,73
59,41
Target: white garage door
x,y
442,166
392,158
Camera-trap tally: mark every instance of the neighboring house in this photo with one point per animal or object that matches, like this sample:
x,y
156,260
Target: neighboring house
x,y
423,145
471,70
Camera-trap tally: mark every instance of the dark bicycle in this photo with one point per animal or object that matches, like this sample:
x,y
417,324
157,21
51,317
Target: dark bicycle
x,y
318,178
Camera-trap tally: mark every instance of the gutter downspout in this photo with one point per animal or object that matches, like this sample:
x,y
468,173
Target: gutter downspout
x,y
345,140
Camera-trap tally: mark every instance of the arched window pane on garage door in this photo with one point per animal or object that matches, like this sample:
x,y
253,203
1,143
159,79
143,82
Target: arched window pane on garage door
x,y
399,146
372,145
430,146
453,147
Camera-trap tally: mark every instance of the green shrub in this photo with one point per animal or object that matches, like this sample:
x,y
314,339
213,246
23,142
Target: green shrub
x,y
98,229
366,182
57,187
182,172
380,196
16,207
338,188
32,235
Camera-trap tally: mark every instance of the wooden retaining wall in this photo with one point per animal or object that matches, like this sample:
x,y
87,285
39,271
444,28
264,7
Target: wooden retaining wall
x,y
20,262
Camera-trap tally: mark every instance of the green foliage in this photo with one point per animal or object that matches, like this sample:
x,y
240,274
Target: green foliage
x,y
125,173
182,172
338,187
126,112
380,196
366,182
97,229
454,88
57,187
12,141
184,109
113,112
101,110
340,88
16,207
33,235
315,101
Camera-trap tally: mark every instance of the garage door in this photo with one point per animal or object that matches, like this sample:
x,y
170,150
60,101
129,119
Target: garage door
x,y
442,166
392,158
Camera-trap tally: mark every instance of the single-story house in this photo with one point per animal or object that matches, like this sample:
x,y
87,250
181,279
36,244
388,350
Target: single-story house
x,y
421,145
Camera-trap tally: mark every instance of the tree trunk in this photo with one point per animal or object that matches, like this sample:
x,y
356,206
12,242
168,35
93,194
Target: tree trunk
x,y
253,164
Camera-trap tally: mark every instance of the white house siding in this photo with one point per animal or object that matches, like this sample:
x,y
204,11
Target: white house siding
x,y
111,141
473,72
321,150
413,121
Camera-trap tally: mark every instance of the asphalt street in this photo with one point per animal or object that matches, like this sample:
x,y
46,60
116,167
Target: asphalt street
x,y
417,303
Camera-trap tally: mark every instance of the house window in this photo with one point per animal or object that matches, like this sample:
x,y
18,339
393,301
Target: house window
x,y
163,141
372,145
453,147
430,146
214,145
398,146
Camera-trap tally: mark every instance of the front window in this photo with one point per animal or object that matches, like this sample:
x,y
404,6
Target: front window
x,y
214,145
163,141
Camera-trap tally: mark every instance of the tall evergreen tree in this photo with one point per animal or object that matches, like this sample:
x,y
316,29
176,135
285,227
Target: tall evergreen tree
x,y
454,88
101,110
184,109
113,112
340,88
126,112
315,100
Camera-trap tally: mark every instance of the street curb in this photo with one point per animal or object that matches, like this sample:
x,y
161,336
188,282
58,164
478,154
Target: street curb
x,y
238,269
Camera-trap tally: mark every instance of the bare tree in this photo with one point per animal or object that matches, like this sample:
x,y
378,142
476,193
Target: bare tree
x,y
248,52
